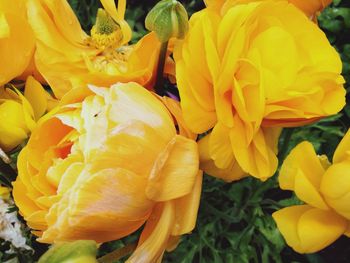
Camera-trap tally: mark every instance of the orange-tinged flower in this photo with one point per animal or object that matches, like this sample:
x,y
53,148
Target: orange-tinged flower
x,y
310,7
4,193
102,165
67,57
17,40
19,113
325,189
247,71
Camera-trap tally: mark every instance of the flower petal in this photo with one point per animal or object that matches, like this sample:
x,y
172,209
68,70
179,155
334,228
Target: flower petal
x,y
343,150
155,235
304,158
307,229
176,177
186,209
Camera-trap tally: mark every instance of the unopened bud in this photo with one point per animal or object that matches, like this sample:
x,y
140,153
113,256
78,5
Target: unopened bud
x,y
82,251
168,19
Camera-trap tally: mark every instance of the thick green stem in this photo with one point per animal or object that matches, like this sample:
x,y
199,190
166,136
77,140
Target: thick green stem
x,y
118,254
160,70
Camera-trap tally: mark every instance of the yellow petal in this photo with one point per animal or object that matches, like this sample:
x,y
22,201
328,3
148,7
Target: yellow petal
x,y
186,209
175,176
17,48
101,206
25,205
155,234
307,192
37,96
4,27
335,187
131,101
318,229
343,150
304,158
13,127
307,229
255,157
231,173
175,109
66,21
197,118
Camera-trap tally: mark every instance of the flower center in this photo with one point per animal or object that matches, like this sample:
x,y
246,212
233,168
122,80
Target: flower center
x,y
112,61
106,33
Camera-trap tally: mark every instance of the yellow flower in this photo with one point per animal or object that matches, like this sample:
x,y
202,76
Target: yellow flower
x,y
310,7
247,70
19,113
325,189
17,40
105,163
67,57
4,193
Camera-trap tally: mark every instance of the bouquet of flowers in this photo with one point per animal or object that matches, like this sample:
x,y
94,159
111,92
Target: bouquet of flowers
x,y
170,132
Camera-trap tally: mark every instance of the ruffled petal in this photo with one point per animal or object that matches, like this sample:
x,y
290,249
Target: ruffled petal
x,y
304,158
232,172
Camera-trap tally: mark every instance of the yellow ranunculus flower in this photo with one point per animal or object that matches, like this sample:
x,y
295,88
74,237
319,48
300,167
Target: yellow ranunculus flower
x,y
4,193
19,113
244,70
309,7
101,166
325,188
67,57
17,40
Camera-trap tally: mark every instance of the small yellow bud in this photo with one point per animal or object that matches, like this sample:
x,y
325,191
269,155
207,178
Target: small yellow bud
x,y
82,251
168,19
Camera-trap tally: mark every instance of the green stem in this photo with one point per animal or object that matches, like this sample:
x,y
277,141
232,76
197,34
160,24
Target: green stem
x,y
118,254
160,70
283,152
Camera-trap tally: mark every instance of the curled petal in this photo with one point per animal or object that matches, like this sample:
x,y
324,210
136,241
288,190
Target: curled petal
x,y
155,236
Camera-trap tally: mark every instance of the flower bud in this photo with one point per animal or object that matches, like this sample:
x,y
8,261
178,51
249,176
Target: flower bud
x,y
82,251
168,19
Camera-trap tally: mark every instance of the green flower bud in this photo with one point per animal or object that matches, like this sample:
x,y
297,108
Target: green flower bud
x,y
168,19
82,251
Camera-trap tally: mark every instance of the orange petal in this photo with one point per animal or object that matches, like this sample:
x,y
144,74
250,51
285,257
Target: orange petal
x,y
156,234
176,177
186,209
307,229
